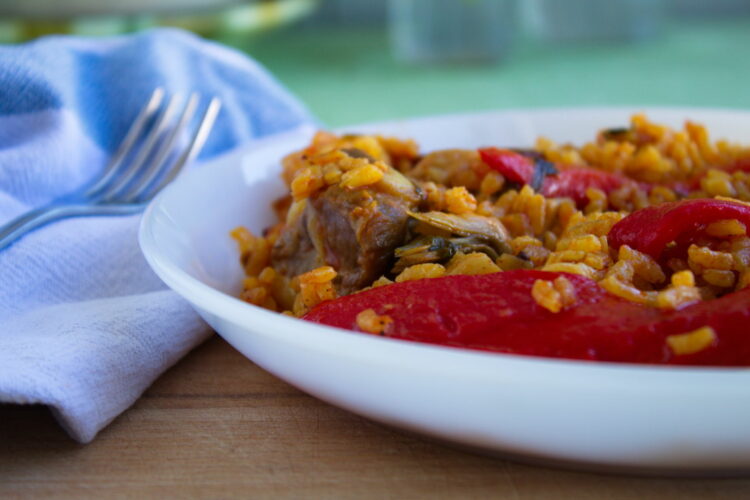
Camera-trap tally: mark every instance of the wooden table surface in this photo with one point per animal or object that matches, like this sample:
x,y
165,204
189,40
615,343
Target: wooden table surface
x,y
218,426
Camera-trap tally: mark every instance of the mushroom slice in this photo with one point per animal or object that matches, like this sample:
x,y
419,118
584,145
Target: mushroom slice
x,y
436,249
488,228
397,184
472,244
422,250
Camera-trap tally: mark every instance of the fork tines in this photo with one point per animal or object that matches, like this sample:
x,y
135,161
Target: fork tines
x,y
155,148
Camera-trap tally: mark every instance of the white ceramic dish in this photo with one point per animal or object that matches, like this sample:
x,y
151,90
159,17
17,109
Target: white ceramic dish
x,y
604,415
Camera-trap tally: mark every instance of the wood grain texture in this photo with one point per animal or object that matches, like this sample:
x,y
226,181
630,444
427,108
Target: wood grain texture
x,y
218,426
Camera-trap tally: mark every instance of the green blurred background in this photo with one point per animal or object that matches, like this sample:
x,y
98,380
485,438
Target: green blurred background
x,y
358,60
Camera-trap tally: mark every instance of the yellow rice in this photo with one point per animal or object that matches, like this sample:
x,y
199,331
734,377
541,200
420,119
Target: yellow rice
x,y
548,234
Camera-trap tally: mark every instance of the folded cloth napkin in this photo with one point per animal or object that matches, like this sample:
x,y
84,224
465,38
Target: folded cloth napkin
x,y
85,326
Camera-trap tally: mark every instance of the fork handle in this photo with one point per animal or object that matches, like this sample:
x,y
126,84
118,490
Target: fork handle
x,y
29,221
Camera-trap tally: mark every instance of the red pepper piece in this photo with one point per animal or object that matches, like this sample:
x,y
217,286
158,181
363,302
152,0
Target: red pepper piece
x,y
573,183
728,316
651,229
741,165
513,166
569,182
683,188
496,312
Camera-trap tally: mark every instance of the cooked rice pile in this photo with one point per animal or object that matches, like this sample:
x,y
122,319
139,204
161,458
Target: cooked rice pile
x,y
549,234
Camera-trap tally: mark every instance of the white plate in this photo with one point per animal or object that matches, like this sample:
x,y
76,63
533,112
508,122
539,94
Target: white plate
x,y
581,413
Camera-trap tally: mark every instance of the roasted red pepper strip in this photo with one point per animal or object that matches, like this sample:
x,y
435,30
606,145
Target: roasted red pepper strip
x,y
514,166
496,312
569,182
741,165
573,183
651,229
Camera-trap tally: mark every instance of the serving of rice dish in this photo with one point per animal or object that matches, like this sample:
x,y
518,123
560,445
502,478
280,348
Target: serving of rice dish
x,y
366,211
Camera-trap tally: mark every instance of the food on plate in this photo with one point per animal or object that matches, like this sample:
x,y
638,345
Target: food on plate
x,y
630,248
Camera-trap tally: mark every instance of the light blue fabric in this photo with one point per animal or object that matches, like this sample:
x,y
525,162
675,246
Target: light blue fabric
x,y
85,326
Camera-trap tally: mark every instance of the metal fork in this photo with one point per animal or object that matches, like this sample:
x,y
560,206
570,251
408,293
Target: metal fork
x,y
148,158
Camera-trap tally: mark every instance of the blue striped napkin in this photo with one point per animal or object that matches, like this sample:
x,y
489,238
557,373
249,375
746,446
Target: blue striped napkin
x,y
85,326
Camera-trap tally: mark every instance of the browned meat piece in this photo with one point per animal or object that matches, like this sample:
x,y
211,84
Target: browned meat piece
x,y
451,167
355,231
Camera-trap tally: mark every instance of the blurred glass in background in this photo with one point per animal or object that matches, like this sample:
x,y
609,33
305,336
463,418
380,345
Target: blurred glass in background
x,y
355,60
25,19
594,20
421,31
452,30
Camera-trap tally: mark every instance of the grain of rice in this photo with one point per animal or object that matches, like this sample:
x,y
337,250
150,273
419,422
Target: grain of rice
x,y
554,295
683,278
364,175
371,322
491,184
307,181
705,258
718,277
691,342
421,271
569,267
458,200
508,262
744,280
546,296
727,227
472,263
